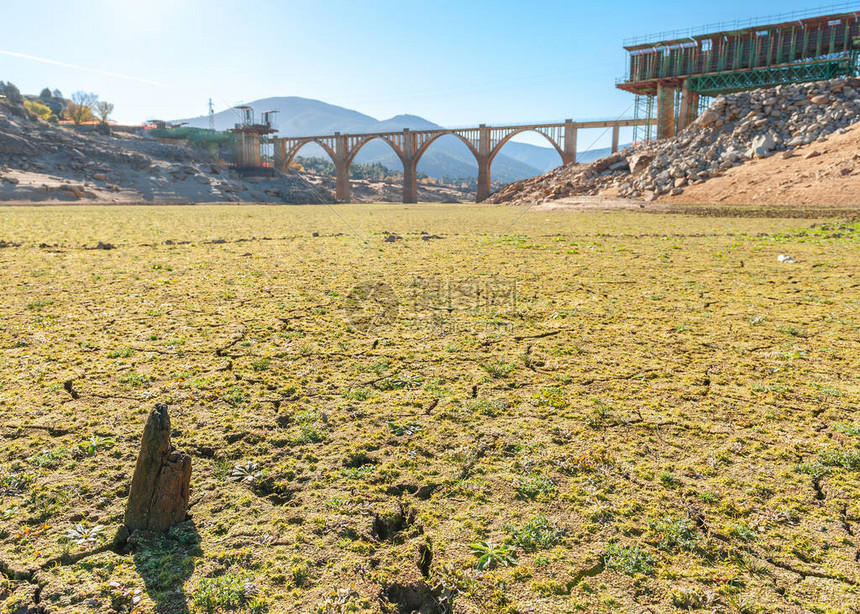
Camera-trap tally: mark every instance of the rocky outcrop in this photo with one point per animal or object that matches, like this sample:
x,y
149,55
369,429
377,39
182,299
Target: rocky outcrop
x,y
736,128
162,478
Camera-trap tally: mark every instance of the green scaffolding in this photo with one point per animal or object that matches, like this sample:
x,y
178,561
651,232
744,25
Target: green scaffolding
x,y
731,81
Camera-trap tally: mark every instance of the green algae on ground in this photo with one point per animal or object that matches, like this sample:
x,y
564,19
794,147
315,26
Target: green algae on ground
x,y
649,411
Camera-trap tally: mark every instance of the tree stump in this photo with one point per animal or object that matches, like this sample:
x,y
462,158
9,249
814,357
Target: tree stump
x,y
162,479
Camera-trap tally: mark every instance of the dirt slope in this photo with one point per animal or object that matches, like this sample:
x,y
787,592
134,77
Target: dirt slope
x,y
823,173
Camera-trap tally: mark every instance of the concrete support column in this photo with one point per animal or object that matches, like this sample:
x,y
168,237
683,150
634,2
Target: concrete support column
x,y
689,107
279,152
615,131
665,111
568,155
410,180
341,166
483,163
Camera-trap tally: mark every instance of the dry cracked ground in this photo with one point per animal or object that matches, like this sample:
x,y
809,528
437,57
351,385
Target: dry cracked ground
x,y
433,408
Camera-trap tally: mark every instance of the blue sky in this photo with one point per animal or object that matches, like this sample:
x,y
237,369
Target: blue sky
x,y
454,62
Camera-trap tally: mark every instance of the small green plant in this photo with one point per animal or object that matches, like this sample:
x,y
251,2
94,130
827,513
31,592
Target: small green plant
x,y
261,364
358,394
532,486
91,446
135,380
498,369
848,429
536,534
491,555
668,479
121,353
690,598
358,473
408,428
47,458
675,534
551,397
82,536
742,532
249,473
341,601
631,560
234,397
487,407
228,591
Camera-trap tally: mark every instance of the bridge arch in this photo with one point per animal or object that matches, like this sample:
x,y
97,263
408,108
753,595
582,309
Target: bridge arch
x,y
497,147
423,147
360,143
290,153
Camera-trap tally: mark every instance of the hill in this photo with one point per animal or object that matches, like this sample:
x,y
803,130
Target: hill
x,y
448,156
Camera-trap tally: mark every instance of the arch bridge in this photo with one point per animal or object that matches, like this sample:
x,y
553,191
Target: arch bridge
x,y
484,142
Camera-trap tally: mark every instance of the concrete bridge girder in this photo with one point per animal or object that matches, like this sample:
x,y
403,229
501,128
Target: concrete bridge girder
x,y
484,142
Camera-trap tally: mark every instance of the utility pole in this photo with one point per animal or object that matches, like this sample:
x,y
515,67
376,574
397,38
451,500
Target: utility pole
x,y
211,115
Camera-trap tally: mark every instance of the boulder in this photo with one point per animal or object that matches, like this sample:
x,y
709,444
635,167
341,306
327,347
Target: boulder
x,y
639,162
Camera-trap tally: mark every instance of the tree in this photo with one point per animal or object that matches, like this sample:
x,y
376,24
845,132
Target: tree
x,y
58,94
81,108
37,109
45,94
11,93
103,109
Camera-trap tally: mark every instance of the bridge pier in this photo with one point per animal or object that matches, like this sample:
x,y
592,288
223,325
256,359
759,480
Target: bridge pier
x,y
484,161
341,167
279,152
689,107
410,164
568,152
665,111
615,131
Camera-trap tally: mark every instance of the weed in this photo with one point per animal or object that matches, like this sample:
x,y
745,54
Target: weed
x,y
235,397
135,380
847,429
228,591
408,428
536,534
83,536
630,560
491,555
249,473
675,534
498,368
121,353
532,486
91,446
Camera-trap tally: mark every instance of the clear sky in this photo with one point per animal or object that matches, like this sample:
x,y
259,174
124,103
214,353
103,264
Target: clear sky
x,y
454,62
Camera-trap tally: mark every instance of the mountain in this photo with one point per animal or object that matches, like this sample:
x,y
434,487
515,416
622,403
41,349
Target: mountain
x,y
447,156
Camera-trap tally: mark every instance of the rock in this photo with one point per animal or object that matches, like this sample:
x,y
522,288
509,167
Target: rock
x,y
202,179
820,99
710,116
811,154
99,177
639,162
162,478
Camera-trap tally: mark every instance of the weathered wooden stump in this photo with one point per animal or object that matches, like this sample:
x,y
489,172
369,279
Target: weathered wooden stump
x,y
162,478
